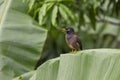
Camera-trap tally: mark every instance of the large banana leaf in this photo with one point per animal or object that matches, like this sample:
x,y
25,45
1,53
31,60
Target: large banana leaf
x,y
99,64
94,64
21,40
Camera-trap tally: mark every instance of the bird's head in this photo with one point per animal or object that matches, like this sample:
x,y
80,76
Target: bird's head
x,y
68,30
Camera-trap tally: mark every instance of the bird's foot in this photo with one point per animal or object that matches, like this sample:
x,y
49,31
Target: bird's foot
x,y
74,51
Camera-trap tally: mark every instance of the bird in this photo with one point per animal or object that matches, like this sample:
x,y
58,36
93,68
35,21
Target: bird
x,y
72,39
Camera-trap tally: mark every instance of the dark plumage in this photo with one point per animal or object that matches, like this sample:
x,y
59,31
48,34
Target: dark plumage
x,y
72,39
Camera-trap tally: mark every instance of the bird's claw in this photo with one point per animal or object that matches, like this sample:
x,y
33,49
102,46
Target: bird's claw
x,y
74,51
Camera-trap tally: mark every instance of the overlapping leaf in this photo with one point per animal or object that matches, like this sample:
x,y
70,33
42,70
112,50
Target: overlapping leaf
x,y
99,64
54,15
21,40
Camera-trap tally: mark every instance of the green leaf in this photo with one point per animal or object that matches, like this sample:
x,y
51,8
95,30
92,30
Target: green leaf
x,y
48,1
54,15
68,11
92,17
21,41
55,1
49,6
46,69
66,0
20,78
42,13
96,64
63,13
25,76
31,3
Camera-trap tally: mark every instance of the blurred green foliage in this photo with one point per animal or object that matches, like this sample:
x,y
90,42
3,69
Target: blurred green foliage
x,y
96,21
23,40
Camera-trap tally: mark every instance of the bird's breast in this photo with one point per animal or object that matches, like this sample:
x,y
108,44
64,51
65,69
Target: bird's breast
x,y
68,36
69,40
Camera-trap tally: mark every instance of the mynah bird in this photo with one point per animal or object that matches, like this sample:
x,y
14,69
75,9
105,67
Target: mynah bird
x,y
72,39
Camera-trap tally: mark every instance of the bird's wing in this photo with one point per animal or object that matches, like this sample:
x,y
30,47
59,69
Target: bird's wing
x,y
77,39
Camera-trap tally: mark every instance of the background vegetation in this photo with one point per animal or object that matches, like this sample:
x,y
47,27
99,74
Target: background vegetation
x,y
97,22
30,33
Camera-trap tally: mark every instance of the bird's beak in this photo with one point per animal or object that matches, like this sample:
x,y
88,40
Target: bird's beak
x,y
63,30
